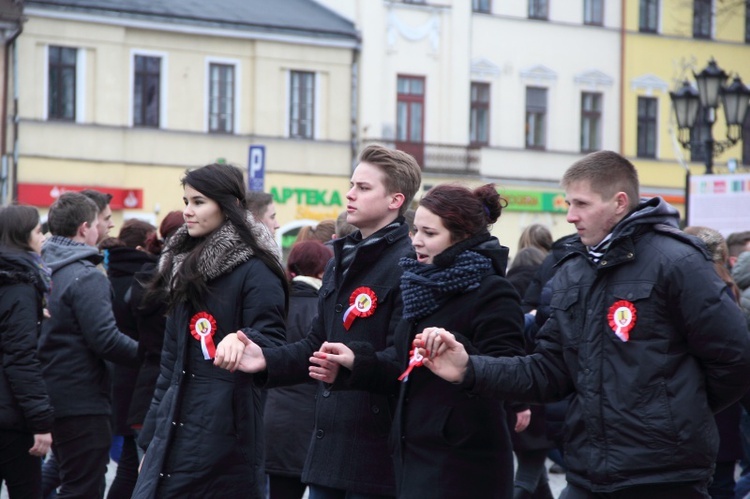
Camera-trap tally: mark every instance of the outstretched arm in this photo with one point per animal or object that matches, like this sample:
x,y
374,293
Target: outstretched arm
x,y
237,351
326,361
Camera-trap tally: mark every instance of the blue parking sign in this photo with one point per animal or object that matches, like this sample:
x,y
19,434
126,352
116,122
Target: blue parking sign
x,y
256,168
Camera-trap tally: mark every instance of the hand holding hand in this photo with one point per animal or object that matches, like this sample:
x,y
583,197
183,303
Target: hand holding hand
x,y
326,361
237,351
444,355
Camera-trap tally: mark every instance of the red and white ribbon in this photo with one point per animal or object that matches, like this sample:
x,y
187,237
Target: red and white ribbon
x,y
622,315
203,328
414,361
362,303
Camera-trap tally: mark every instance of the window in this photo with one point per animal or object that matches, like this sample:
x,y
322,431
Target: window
x,y
747,21
536,115
647,127
410,115
591,121
480,114
146,85
302,104
648,20
593,12
702,18
221,98
481,6
62,83
698,134
538,9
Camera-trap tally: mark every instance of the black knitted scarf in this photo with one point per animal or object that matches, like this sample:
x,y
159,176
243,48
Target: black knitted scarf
x,y
424,288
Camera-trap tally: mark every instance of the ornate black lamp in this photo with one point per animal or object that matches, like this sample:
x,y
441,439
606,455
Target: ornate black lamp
x,y
688,101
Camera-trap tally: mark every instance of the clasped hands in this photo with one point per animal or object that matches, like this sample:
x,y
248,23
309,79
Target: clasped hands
x,y
443,355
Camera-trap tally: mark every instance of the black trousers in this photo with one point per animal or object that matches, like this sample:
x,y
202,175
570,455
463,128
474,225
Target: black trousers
x,y
127,471
689,490
21,471
81,446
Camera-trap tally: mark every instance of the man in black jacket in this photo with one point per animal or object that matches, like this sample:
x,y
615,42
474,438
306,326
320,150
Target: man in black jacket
x,y
360,300
642,332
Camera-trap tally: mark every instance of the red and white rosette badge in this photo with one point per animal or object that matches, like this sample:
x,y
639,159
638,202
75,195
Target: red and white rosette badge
x,y
362,303
203,328
622,318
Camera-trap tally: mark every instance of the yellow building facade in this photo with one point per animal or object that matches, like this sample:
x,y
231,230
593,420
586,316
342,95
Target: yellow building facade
x,y
666,41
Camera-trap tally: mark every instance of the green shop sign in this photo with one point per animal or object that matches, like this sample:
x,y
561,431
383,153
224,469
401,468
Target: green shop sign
x,y
550,202
309,197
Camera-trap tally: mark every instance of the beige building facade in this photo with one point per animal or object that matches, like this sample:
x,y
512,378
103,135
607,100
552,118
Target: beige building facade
x,y
510,92
124,101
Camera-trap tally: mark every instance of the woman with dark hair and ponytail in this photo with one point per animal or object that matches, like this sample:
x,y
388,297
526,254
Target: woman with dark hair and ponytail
x,y
218,273
445,443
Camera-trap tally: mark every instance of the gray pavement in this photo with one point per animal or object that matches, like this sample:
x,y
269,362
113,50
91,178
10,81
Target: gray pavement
x,y
557,482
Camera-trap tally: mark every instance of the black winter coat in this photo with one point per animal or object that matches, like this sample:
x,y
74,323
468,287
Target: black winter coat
x,y
151,320
24,403
204,431
349,446
534,437
445,442
122,265
290,411
643,408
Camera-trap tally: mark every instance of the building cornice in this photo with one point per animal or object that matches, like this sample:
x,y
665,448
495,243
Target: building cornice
x,y
222,32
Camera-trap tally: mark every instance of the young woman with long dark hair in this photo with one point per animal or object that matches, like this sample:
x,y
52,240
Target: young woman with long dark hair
x,y
219,274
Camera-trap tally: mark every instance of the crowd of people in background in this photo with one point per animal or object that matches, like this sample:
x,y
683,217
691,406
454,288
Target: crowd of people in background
x,y
398,351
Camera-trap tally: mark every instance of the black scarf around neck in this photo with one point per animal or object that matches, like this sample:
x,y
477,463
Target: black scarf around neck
x,y
424,288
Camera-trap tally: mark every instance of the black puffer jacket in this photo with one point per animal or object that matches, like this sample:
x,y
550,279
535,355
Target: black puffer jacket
x,y
24,404
643,408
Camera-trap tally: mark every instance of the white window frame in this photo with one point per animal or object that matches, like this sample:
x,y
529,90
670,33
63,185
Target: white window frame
x,y
162,84
207,93
288,101
80,83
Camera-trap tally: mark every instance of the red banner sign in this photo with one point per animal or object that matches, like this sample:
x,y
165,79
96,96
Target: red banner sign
x,y
45,194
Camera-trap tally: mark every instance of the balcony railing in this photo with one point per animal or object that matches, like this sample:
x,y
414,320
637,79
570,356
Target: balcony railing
x,y
437,158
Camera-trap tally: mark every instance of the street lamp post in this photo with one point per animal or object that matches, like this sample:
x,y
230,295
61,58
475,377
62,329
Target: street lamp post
x,y
688,101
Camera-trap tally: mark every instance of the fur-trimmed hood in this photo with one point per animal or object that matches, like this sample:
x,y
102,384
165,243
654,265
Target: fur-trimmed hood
x,y
224,250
